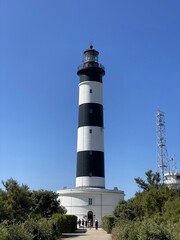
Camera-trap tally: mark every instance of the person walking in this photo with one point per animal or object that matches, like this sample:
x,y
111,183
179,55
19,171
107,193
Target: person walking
x,y
96,224
86,222
83,223
89,224
79,222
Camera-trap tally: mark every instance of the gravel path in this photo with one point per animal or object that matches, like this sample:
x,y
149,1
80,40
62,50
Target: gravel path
x,y
87,234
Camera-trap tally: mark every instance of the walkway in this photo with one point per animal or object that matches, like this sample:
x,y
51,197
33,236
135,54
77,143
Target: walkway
x,y
87,234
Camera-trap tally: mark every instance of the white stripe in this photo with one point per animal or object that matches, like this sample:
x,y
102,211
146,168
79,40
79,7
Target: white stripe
x,y
90,182
90,92
90,138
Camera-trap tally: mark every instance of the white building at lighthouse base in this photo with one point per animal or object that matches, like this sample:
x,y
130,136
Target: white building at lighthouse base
x,y
90,203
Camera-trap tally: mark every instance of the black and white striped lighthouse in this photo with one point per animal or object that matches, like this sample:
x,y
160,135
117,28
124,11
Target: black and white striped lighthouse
x,y
90,199
90,140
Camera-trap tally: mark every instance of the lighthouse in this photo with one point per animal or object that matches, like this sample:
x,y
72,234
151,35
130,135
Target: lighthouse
x,y
90,200
90,140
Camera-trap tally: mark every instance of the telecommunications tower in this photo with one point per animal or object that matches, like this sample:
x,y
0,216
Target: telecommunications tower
x,y
169,175
161,144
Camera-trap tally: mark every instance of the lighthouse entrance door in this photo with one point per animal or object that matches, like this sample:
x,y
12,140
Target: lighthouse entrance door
x,y
90,217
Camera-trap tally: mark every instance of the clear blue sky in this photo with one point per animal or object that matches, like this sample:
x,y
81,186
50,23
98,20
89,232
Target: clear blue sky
x,y
41,45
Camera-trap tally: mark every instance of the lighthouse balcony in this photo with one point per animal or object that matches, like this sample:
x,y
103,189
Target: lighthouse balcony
x,y
90,65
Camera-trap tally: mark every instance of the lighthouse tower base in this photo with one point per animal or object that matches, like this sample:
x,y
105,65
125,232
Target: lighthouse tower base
x,y
90,203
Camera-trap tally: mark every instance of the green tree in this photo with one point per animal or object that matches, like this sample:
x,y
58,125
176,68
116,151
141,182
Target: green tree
x,y
152,180
153,213
17,200
125,210
45,203
5,210
171,209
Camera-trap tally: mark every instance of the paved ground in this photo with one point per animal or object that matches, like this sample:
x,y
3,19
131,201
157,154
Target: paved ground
x,y
88,234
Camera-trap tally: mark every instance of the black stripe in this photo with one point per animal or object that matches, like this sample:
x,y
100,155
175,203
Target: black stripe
x,y
90,163
90,74
90,114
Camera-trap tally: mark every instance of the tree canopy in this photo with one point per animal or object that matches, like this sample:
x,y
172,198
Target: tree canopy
x,y
17,202
28,215
152,213
152,180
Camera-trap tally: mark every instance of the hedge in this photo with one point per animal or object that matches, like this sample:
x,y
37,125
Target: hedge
x,y
64,223
42,228
108,223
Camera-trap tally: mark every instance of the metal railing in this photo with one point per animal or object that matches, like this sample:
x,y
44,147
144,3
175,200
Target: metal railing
x,y
91,64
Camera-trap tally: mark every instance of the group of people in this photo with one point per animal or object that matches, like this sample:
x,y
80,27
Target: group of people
x,y
87,223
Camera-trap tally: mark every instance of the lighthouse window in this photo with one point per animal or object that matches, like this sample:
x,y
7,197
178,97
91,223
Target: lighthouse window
x,y
90,130
90,201
90,90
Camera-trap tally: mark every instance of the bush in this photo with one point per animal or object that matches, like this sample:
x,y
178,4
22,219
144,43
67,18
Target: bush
x,y
64,223
70,223
152,214
108,223
149,229
41,228
177,230
3,232
125,230
59,223
18,232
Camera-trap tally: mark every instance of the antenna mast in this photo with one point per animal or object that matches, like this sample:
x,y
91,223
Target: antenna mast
x,y
161,143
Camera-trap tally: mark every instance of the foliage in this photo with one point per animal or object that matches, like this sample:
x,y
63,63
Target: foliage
x,y
153,180
27,215
5,208
125,210
41,228
150,228
18,232
171,209
17,200
107,223
65,223
71,223
124,229
59,221
153,213
3,232
45,203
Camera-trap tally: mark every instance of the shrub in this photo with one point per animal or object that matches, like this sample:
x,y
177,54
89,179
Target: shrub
x,y
3,232
107,223
177,230
41,228
71,223
125,230
149,229
18,231
59,223
64,223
